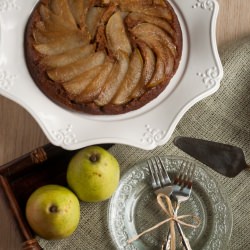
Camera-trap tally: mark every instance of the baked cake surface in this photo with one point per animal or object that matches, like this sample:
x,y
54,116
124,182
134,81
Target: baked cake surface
x,y
103,57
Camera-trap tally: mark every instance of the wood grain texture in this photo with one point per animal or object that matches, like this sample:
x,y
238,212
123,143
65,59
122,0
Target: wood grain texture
x,y
19,132
233,21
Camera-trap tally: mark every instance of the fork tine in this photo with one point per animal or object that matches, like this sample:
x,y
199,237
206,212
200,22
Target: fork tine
x,y
179,176
185,175
156,178
188,180
162,171
153,175
158,172
190,175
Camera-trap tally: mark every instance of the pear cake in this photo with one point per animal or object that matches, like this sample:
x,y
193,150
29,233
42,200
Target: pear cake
x,y
102,57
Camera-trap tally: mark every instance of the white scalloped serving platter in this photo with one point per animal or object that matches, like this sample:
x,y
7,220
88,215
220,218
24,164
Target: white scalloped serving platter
x,y
198,76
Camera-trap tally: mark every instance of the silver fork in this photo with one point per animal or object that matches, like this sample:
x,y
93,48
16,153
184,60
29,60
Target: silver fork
x,y
182,187
160,180
161,183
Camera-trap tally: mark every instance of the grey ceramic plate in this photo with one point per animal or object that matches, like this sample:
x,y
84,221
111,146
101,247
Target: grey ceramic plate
x,y
133,209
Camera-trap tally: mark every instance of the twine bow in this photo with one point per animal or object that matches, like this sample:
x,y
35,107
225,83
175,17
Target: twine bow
x,y
172,219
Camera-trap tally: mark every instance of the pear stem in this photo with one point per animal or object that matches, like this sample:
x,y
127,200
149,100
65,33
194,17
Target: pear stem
x,y
94,157
53,209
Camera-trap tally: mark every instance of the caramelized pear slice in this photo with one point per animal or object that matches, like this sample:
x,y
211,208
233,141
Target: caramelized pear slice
x,y
164,38
69,56
156,10
123,3
62,44
91,92
159,75
135,18
165,60
78,10
61,8
100,33
93,18
160,2
50,26
164,69
116,34
114,80
41,36
149,62
148,69
169,66
72,70
75,86
165,51
156,33
54,22
131,79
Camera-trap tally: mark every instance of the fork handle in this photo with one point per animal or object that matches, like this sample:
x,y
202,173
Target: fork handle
x,y
185,241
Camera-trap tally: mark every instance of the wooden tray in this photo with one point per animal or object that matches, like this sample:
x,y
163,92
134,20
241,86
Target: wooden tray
x,y
18,179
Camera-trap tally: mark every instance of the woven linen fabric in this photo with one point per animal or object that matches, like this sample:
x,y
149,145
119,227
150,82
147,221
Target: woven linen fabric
x,y
223,117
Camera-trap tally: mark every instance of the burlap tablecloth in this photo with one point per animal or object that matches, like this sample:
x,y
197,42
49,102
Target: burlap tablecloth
x,y
223,117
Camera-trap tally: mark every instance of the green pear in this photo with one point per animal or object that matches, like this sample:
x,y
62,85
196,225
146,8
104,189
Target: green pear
x,y
53,212
93,174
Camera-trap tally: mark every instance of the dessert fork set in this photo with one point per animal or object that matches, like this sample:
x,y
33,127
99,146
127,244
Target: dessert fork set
x,y
179,190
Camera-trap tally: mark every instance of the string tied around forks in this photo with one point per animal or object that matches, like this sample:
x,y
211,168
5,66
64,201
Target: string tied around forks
x,y
172,219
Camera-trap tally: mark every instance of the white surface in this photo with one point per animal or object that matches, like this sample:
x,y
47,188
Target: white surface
x,y
198,76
